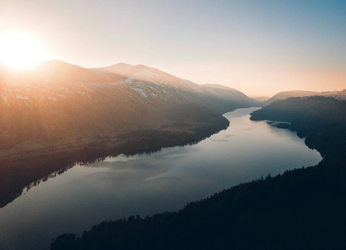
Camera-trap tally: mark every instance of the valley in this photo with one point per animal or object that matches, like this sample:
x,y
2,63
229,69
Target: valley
x,y
76,198
302,208
172,125
60,114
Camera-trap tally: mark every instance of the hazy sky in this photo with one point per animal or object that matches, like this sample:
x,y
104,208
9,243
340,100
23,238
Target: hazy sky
x,y
259,47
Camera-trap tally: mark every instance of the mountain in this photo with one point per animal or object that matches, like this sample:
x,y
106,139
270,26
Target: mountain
x,y
286,94
340,95
320,120
62,103
222,98
59,113
150,81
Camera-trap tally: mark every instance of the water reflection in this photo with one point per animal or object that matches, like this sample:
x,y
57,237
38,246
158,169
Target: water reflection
x,y
144,184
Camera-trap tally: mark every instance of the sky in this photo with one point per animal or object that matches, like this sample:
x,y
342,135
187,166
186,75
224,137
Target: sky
x,y
259,47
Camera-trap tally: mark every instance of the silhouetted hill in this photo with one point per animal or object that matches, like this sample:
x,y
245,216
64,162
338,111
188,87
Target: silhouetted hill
x,y
300,209
321,120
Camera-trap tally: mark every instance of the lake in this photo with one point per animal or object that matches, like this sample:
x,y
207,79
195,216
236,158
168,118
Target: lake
x,y
150,183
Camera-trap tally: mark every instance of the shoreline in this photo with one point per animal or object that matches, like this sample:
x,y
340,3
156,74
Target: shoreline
x,y
22,170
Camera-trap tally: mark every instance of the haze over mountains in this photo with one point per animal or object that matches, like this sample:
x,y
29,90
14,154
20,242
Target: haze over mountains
x,y
341,95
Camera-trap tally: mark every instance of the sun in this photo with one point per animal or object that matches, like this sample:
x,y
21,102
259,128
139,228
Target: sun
x,y
20,50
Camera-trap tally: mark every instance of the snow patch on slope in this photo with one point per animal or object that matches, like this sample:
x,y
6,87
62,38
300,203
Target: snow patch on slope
x,y
22,97
129,81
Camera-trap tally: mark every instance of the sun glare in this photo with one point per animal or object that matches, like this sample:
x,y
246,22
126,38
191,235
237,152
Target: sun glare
x,y
20,50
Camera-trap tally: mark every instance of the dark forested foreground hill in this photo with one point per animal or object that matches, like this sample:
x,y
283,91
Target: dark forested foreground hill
x,y
300,209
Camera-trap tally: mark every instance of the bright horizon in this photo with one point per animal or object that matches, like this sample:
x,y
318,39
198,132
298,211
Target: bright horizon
x,y
257,47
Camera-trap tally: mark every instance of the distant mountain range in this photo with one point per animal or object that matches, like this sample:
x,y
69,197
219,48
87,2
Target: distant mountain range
x,y
341,95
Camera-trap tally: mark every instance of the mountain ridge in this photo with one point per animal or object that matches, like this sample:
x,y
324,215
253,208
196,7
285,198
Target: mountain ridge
x,y
340,95
65,113
62,88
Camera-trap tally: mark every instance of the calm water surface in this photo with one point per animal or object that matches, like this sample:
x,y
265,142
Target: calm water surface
x,y
146,184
